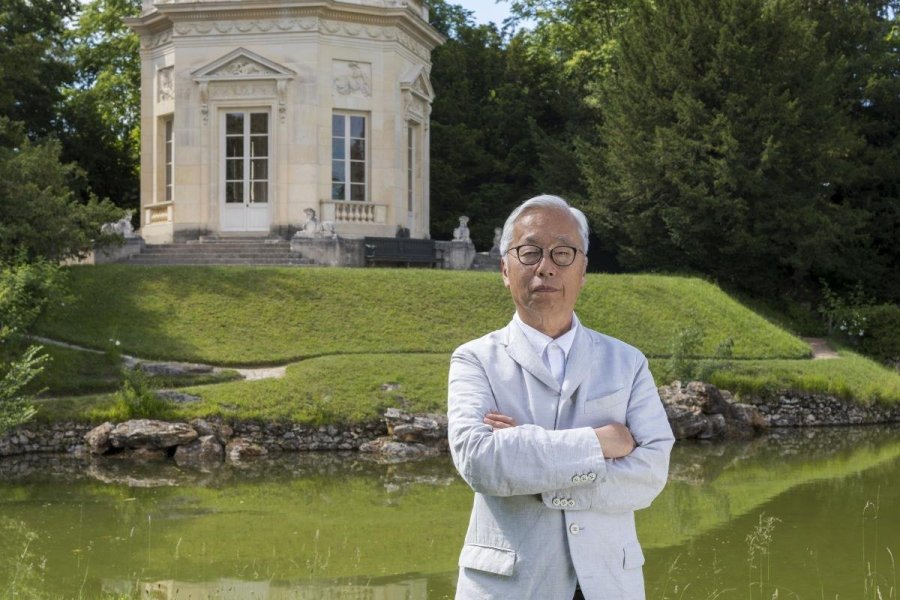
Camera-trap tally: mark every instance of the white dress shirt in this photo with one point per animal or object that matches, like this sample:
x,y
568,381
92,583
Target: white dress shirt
x,y
554,352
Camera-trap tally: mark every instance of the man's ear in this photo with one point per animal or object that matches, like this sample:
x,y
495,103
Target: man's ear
x,y
504,269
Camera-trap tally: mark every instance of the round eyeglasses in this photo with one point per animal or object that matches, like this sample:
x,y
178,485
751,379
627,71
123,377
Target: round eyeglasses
x,y
529,255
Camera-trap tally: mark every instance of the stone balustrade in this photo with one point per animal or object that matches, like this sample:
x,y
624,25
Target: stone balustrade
x,y
161,212
338,211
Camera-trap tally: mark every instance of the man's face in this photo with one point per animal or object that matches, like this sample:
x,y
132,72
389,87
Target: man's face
x,y
544,290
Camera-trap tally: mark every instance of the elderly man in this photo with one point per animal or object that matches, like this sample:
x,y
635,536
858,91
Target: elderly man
x,y
558,429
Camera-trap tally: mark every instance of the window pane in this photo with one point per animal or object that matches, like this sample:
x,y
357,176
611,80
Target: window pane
x,y
358,172
234,192
358,149
234,123
259,145
259,169
337,148
234,169
337,125
358,127
234,146
337,191
337,170
357,192
259,123
259,192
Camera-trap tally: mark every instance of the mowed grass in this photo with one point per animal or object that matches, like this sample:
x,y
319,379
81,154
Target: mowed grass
x,y
358,388
261,316
345,333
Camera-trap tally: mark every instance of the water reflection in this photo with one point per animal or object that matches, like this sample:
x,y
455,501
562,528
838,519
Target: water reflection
x,y
345,526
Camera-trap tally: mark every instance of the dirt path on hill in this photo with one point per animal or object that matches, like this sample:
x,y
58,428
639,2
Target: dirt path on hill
x,y
248,373
821,349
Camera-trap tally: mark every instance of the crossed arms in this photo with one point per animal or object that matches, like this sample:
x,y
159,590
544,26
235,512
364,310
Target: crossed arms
x,y
498,457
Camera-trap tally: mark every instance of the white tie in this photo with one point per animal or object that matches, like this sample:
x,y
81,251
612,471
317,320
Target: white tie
x,y
557,361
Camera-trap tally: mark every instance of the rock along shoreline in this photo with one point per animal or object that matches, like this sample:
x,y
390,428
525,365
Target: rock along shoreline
x,y
696,410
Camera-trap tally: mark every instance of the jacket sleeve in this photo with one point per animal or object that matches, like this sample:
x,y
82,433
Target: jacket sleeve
x,y
516,461
632,482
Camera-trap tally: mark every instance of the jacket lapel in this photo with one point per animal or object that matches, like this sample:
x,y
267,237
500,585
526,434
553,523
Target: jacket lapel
x,y
519,349
578,364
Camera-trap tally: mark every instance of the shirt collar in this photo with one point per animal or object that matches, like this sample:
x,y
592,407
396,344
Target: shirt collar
x,y
540,340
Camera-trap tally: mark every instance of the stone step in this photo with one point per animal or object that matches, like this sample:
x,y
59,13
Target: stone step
x,y
206,252
214,247
220,260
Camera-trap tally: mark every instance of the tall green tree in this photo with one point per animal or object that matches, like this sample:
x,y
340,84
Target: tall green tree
x,y
40,216
33,61
862,41
502,127
722,143
101,111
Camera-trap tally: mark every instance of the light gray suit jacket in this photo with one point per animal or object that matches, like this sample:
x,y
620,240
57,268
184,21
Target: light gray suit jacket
x,y
549,509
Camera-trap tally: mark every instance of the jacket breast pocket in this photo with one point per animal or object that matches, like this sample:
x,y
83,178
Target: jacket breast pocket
x,y
500,561
606,402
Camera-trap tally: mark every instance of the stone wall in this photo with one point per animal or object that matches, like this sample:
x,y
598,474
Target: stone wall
x,y
695,409
274,437
797,409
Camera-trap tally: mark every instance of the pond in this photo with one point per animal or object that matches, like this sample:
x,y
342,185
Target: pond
x,y
813,513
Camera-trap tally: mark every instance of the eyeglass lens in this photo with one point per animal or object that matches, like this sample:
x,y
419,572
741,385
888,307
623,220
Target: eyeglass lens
x,y
563,256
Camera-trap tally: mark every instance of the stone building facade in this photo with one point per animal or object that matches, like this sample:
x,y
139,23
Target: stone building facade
x,y
254,111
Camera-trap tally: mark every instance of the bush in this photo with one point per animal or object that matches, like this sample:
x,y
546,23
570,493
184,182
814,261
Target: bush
x,y
15,406
25,290
137,398
882,336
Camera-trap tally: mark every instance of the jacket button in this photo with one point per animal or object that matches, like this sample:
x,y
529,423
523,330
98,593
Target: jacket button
x,y
592,476
570,503
574,529
576,478
556,502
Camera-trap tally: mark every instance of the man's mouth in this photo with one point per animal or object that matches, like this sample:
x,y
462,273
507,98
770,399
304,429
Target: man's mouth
x,y
544,288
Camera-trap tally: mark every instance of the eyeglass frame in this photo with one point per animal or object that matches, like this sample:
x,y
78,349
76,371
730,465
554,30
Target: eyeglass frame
x,y
549,253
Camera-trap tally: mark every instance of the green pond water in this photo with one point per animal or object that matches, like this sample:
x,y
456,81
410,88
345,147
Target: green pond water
x,y
814,514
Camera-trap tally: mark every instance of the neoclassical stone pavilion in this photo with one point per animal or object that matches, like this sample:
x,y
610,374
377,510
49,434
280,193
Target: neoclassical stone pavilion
x,y
253,111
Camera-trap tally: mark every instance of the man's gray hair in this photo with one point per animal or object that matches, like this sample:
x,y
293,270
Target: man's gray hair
x,y
543,201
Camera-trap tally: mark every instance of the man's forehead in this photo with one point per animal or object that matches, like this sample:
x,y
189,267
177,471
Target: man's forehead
x,y
546,223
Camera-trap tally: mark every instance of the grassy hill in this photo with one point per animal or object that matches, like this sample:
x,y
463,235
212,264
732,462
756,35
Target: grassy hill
x,y
346,332
247,316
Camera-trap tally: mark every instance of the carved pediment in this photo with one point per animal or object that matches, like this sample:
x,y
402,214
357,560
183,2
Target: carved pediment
x,y
416,82
242,64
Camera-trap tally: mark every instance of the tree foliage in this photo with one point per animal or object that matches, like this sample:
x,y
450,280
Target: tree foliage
x,y
25,291
33,64
101,111
40,216
500,129
723,143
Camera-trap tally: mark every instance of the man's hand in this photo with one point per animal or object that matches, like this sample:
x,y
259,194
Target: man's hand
x,y
497,421
615,440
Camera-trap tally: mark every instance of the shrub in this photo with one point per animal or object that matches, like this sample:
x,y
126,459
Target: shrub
x,y
15,406
137,399
882,337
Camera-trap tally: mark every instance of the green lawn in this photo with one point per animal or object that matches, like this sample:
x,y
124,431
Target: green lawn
x,y
346,332
253,315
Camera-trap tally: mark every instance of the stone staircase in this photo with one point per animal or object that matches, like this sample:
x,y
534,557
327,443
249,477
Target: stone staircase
x,y
220,251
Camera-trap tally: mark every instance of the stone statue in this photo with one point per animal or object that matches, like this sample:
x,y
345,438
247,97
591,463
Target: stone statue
x,y
121,227
461,233
313,227
495,248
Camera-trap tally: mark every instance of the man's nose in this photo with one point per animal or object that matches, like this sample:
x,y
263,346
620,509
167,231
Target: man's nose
x,y
546,267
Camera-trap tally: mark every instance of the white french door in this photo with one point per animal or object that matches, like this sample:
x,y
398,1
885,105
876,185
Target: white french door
x,y
246,170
